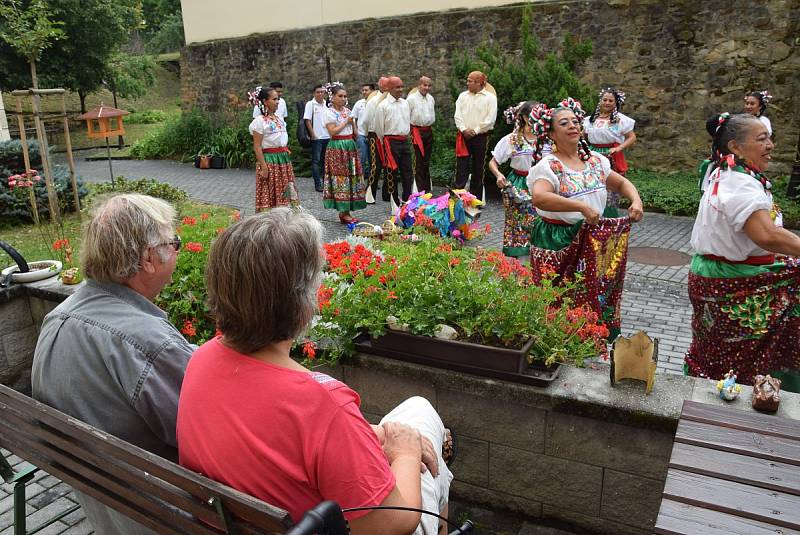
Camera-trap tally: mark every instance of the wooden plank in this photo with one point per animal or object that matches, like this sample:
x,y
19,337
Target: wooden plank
x,y
765,424
677,518
244,506
734,467
743,442
768,506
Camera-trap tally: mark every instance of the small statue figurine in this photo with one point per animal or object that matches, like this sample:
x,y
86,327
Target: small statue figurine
x,y
766,393
727,387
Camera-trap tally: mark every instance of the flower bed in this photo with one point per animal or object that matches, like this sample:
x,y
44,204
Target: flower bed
x,y
483,296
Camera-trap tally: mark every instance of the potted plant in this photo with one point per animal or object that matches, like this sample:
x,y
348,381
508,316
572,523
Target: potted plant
x,y
400,300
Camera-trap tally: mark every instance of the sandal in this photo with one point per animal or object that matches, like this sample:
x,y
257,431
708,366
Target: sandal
x,y
449,447
347,219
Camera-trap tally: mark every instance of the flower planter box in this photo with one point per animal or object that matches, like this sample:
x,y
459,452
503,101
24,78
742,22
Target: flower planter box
x,y
486,361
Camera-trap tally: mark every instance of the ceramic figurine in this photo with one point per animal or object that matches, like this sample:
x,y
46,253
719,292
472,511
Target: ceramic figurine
x,y
727,387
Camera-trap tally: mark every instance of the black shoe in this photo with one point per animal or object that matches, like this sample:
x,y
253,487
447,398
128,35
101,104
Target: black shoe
x,y
318,188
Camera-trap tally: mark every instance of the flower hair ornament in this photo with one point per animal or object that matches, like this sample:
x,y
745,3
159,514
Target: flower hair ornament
x,y
328,87
619,96
619,99
721,120
511,113
765,96
252,96
575,106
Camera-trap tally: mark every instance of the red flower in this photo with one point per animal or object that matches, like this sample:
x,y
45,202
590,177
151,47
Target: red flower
x,y
487,229
194,247
324,295
391,295
310,350
236,215
382,279
207,215
454,261
188,328
445,248
60,244
189,220
220,230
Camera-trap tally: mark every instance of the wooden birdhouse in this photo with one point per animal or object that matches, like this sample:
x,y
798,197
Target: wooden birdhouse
x,y
104,122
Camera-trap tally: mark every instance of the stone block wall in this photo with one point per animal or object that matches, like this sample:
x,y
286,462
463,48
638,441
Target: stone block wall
x,y
679,61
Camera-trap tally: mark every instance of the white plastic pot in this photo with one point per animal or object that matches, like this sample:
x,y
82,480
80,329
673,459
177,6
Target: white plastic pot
x,y
39,270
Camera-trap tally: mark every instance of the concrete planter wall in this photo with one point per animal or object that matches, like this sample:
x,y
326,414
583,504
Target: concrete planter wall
x,y
577,452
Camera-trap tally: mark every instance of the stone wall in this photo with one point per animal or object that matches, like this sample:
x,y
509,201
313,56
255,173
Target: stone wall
x,y
678,61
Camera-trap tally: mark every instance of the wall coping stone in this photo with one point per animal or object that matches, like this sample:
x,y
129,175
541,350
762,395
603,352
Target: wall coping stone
x,y
579,391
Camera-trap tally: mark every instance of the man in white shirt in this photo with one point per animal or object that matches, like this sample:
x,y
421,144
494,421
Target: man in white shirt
x,y
476,112
359,114
423,116
375,171
282,112
392,123
314,116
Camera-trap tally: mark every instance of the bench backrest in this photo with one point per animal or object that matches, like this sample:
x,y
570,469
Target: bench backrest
x,y
155,492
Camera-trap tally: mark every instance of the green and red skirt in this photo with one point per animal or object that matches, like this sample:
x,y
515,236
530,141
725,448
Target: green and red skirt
x,y
343,188
598,255
275,181
518,223
746,318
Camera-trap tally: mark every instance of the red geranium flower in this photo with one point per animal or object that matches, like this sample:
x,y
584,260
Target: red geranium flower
x,y
188,328
189,220
194,247
310,350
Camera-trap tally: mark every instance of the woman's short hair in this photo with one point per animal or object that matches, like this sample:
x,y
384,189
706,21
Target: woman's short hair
x,y
723,128
121,229
262,278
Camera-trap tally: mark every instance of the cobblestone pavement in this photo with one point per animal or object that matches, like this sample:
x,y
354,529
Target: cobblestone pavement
x,y
655,297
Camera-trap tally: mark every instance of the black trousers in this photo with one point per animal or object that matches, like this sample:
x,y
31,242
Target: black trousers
x,y
422,167
402,155
473,164
376,172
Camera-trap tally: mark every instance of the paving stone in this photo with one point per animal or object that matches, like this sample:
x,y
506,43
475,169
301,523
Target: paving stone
x,y
81,528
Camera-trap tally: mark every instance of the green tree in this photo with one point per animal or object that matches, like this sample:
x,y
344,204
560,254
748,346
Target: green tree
x,y
163,25
130,76
28,30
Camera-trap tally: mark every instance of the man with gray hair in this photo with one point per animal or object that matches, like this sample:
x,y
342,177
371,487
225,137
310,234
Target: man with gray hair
x,y
109,356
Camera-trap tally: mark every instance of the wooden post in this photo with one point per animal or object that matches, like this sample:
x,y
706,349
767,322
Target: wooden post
x,y
44,148
26,158
70,160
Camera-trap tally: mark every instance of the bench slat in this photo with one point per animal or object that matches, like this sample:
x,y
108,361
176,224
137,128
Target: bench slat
x,y
244,508
734,467
157,516
777,508
764,424
677,518
752,444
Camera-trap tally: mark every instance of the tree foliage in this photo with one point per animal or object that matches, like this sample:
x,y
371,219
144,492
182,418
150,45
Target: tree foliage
x,y
28,30
131,76
163,25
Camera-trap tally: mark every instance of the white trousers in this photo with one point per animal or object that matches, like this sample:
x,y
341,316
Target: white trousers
x,y
417,412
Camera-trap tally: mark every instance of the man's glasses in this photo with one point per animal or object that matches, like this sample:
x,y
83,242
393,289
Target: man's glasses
x,y
175,242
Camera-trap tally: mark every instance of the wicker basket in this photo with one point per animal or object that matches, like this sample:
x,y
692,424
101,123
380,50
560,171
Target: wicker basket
x,y
367,230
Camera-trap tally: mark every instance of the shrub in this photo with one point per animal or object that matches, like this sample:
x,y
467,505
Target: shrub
x,y
145,186
146,117
15,204
181,137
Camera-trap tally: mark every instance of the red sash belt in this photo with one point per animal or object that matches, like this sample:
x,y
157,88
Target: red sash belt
x,y
390,162
519,172
555,221
461,146
750,260
618,161
275,150
342,138
416,137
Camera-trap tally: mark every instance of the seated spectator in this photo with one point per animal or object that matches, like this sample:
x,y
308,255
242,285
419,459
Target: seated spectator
x,y
253,418
107,355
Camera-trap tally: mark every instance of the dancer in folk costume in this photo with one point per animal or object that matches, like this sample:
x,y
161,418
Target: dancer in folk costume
x,y
569,187
610,132
423,115
360,115
274,173
343,187
392,123
517,147
475,115
755,103
375,172
745,294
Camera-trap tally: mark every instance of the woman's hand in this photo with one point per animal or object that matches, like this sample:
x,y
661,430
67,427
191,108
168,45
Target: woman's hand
x,y
612,150
636,212
590,215
501,182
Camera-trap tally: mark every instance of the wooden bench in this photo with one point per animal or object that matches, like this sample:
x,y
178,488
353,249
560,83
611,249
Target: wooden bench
x,y
732,472
155,492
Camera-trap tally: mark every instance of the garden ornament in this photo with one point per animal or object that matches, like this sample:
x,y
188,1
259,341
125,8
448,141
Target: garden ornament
x,y
766,393
635,358
727,387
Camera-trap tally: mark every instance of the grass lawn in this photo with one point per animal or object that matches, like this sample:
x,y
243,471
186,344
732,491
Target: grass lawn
x,y
35,242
